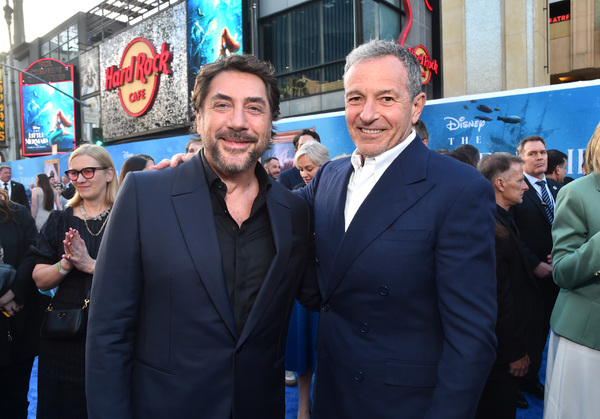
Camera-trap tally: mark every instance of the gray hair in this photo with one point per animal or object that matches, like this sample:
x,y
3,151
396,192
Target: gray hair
x,y
496,165
380,49
315,151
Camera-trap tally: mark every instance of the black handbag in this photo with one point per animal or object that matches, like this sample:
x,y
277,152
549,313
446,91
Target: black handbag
x,y
7,277
65,323
7,273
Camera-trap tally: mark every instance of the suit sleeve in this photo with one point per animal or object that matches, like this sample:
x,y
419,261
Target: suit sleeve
x,y
510,329
466,287
24,286
575,254
115,298
20,195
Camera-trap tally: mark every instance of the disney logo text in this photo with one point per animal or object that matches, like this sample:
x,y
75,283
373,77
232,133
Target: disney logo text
x,y
454,124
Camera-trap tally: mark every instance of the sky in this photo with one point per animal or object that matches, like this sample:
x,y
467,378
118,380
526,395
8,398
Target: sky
x,y
41,16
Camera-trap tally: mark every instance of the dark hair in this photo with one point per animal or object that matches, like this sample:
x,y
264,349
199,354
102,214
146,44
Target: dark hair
x,y
526,140
44,183
132,164
268,159
242,63
421,129
494,165
468,153
146,156
305,132
555,158
196,140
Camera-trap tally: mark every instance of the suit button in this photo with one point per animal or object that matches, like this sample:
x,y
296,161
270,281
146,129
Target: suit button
x,y
359,376
325,307
383,290
364,327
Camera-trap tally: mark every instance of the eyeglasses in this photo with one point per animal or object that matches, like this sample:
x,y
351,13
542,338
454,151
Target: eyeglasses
x,y
86,172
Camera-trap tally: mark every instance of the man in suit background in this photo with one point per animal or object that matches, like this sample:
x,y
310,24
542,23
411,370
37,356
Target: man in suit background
x,y
534,218
291,178
16,190
519,299
557,165
405,258
199,268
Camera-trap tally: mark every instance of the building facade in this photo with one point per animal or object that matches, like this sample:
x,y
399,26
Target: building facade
x,y
464,46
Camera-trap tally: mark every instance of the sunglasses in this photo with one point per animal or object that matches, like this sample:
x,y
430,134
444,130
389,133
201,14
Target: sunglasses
x,y
86,172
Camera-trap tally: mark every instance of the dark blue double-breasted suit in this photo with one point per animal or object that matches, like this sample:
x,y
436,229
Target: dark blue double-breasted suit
x,y
406,326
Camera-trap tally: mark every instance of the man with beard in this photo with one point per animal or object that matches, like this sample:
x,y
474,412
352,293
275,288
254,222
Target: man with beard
x,y
199,268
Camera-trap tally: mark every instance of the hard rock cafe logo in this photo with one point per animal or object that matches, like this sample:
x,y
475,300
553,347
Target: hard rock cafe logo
x,y
137,77
427,64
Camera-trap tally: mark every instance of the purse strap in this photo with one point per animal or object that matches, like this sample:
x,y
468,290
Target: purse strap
x,y
86,302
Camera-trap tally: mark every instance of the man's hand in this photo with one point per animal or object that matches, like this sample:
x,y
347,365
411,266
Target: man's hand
x,y
520,367
175,161
543,270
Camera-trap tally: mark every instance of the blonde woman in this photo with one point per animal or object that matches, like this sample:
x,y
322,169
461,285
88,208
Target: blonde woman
x,y
66,251
573,368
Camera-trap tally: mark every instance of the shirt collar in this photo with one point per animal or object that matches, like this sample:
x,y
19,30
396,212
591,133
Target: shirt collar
x,y
264,182
533,179
383,160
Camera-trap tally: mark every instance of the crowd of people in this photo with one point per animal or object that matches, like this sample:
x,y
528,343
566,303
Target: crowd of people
x,y
411,282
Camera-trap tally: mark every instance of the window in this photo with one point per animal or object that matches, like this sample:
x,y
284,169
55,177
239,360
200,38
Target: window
x,y
63,46
307,46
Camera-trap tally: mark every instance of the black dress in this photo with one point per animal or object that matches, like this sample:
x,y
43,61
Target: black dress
x,y
19,334
61,368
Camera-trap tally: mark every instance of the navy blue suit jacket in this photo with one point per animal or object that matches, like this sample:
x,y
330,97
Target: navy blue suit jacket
x,y
534,226
290,178
17,193
161,338
406,327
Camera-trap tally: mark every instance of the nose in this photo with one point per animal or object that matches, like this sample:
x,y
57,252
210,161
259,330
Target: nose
x,y
369,111
237,120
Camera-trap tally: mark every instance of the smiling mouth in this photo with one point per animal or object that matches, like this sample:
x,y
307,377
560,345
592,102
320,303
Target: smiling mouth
x,y
371,131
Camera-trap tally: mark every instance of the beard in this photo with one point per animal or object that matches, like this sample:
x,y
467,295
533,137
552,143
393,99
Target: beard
x,y
238,161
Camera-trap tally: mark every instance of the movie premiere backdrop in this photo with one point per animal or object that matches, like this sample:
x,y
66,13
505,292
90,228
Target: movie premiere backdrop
x,y
565,115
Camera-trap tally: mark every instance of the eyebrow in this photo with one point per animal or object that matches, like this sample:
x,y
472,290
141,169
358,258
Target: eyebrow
x,y
378,93
221,96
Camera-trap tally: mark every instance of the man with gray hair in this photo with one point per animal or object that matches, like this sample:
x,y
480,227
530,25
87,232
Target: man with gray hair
x,y
405,258
518,296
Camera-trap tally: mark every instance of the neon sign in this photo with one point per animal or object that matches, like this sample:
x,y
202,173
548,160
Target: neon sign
x,y
138,76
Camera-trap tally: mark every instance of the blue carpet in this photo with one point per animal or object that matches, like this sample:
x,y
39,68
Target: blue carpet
x,y
535,411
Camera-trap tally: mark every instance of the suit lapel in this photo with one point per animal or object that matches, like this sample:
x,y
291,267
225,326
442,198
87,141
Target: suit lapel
x,y
280,217
398,189
536,200
193,208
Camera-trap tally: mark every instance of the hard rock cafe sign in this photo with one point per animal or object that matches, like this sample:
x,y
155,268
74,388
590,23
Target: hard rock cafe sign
x,y
427,64
138,76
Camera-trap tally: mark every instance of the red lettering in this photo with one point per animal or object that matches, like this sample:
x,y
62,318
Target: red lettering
x,y
139,95
109,70
147,68
165,57
139,67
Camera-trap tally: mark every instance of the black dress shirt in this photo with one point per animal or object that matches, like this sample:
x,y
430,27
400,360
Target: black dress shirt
x,y
246,251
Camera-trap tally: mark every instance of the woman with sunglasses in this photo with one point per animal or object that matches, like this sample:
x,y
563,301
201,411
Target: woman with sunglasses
x,y
66,251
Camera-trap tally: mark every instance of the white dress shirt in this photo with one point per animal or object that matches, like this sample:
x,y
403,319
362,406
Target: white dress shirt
x,y
365,176
538,188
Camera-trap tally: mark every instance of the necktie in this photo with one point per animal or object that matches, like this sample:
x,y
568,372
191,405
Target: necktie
x,y
6,186
548,207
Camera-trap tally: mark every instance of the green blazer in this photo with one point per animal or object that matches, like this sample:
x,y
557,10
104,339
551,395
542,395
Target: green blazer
x,y
576,258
